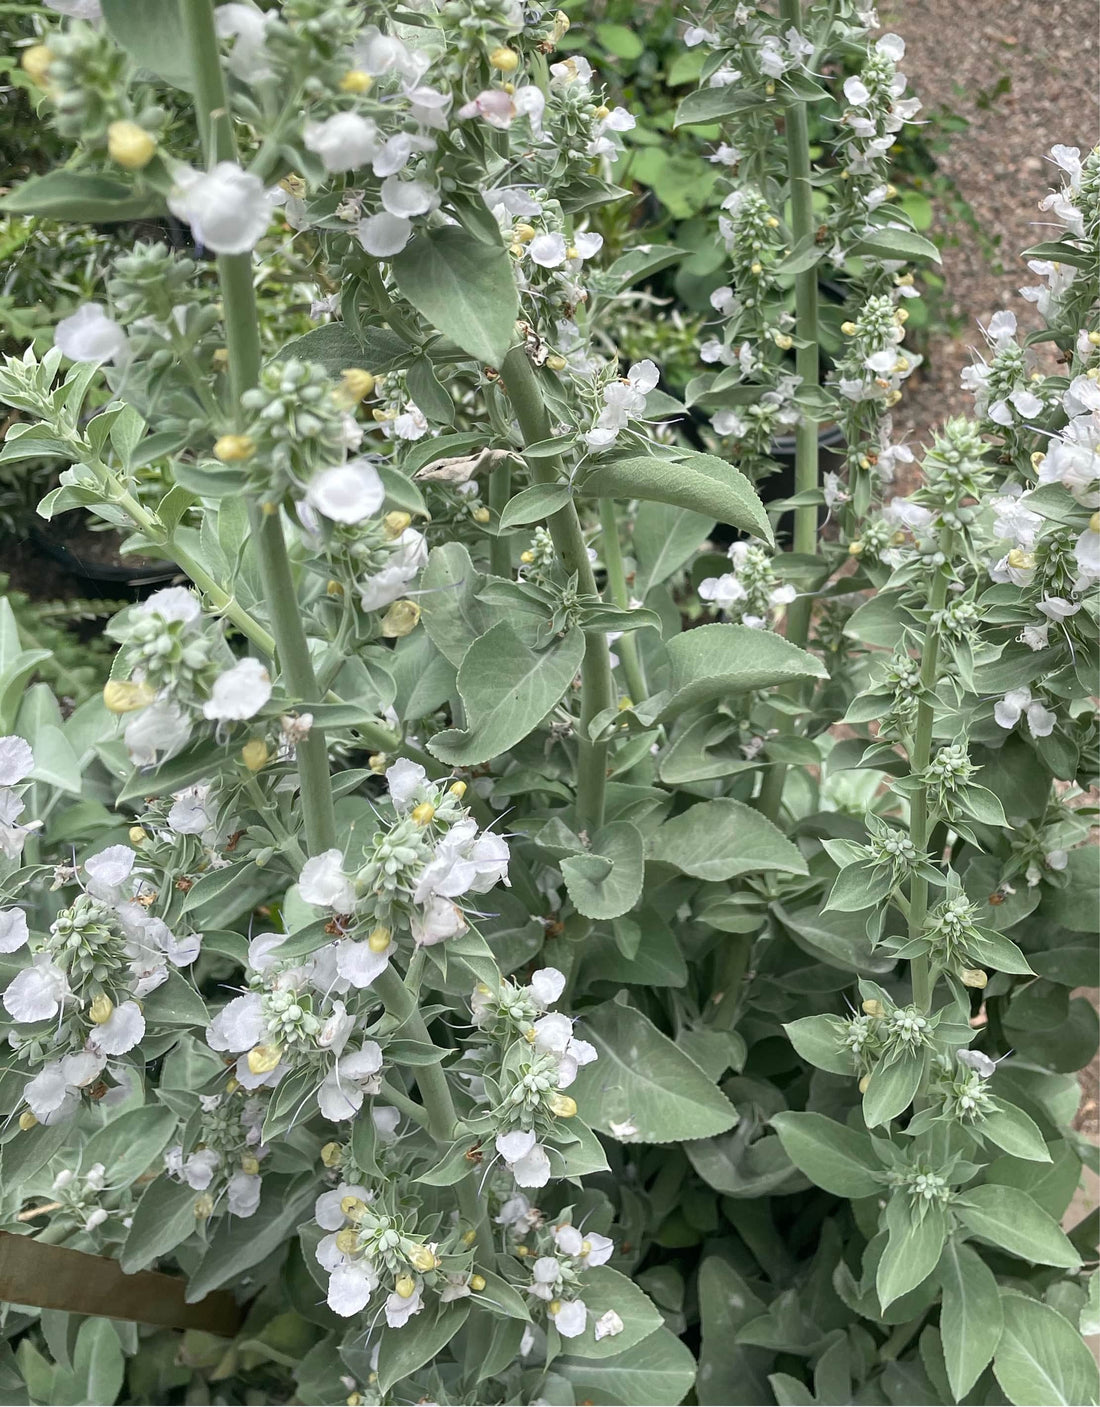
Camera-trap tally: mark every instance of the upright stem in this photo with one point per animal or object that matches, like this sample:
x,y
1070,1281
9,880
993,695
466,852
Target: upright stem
x,y
616,585
918,762
500,491
243,344
597,688
807,354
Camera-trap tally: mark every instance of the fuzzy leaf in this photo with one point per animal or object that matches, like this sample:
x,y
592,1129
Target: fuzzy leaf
x,y
463,287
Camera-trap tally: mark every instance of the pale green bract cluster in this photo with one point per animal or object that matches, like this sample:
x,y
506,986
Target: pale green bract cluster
x,y
507,992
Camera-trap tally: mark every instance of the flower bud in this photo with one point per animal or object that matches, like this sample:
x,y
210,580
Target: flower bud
x,y
864,1082
873,1007
423,814
396,523
526,558
124,696
334,587
507,60
422,1258
562,1105
353,1207
354,1399
457,789
469,1237
331,1154
481,515
232,1085
554,1307
204,1207
522,1251
254,754
378,762
262,1059
35,62
231,449
347,1241
974,977
100,1009
400,620
356,81
476,1283
1094,523
756,267
556,362
405,1286
379,939
249,1165
137,835
27,1121
219,358
130,146
1021,560
355,386
848,328
855,549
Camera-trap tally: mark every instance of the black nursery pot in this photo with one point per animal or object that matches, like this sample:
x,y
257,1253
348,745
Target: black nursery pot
x,y
89,557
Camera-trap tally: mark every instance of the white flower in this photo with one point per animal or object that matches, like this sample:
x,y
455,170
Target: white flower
x,y
247,27
695,34
625,1131
570,1319
353,1076
54,1093
199,1169
547,985
856,91
239,1025
526,1159
1008,710
163,728
384,235
343,141
89,335
975,1060
348,493
545,1275
1057,608
607,1325
406,782
1040,720
338,1026
572,1242
240,692
407,198
187,814
173,603
77,9
399,1310
405,562
547,250
385,1122
377,53
108,871
892,45
36,993
1087,552
438,920
243,1190
228,209
13,930
350,1287
16,760
324,884
357,964
725,591
122,1030
327,1207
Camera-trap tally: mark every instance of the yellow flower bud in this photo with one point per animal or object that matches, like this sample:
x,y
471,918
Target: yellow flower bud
x,y
400,620
476,1283
554,1306
783,341
625,703
756,267
230,449
123,696
254,754
249,1164
891,191
334,587
529,1035
262,1059
522,1251
396,523
355,386
232,1085
422,1258
219,358
356,81
904,280
405,1286
586,1246
873,1007
527,558
892,398
378,762
352,1207
204,1207
562,1105
772,223
481,515
556,362
848,328
1021,560
855,549
769,89
35,62
354,1399
137,836
379,940
864,462
572,252
331,1154
523,233
130,146
457,789
974,977
902,315
347,1241
100,1009
27,1121
507,60
469,1237
864,1083
602,112
1037,458
423,813
1094,523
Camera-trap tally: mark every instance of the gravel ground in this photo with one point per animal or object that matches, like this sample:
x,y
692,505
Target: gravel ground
x,y
1023,73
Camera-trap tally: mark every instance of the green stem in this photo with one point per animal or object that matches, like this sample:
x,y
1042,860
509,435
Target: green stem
x,y
597,686
243,344
627,643
918,762
402,1101
500,491
806,328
